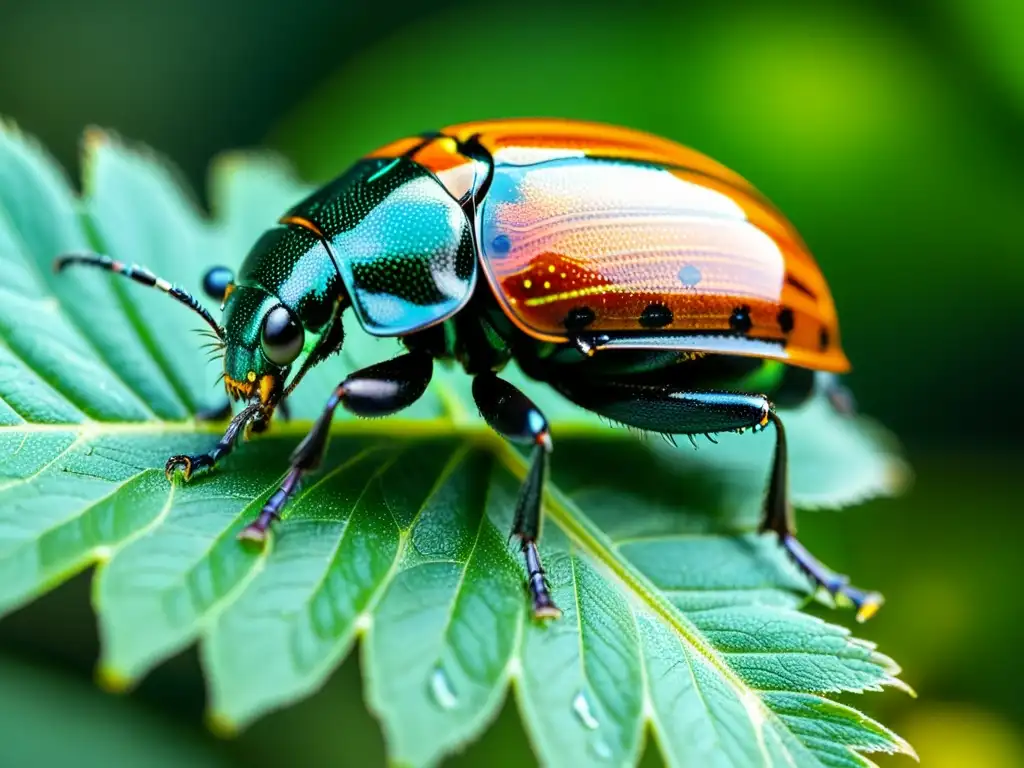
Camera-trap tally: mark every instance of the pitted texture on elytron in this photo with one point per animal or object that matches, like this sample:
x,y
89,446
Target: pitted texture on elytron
x,y
293,264
402,244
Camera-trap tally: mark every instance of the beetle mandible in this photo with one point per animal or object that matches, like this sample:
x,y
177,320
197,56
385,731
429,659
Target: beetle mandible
x,y
642,280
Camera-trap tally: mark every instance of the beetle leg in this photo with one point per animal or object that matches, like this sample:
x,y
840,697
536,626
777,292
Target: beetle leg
x,y
779,519
192,465
513,415
379,390
661,408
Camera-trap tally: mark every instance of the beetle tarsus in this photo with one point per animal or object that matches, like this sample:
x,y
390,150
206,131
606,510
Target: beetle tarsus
x,y
543,606
866,603
189,466
259,529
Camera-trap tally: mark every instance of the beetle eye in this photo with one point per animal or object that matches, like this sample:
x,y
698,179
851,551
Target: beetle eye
x,y
216,282
282,336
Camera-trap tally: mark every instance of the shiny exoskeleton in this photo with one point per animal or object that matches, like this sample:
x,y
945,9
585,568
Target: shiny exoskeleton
x,y
640,279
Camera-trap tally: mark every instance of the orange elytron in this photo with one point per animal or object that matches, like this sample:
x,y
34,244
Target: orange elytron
x,y
662,239
640,279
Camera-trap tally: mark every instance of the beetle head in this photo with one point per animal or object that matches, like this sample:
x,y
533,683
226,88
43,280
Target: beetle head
x,y
264,337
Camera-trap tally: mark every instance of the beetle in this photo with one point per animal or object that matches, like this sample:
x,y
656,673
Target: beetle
x,y
642,280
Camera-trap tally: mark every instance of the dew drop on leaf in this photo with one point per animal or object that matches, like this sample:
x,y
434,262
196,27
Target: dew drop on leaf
x,y
581,707
441,689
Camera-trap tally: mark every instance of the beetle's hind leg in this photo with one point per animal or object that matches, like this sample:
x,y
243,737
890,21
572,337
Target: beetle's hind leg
x,y
661,408
779,519
513,415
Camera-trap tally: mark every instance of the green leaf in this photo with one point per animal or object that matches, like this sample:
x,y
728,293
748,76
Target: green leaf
x,y
679,619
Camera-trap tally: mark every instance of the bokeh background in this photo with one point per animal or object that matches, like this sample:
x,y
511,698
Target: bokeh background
x,y
891,134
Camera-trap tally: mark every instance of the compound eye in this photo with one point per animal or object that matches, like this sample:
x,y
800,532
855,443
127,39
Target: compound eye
x,y
282,336
216,282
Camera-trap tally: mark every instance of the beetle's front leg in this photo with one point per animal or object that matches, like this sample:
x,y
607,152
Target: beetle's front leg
x,y
513,415
379,390
191,465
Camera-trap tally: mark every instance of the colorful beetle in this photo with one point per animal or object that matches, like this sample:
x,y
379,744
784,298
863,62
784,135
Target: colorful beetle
x,y
642,280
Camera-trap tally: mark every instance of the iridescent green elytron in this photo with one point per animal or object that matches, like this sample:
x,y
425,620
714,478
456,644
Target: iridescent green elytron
x,y
641,280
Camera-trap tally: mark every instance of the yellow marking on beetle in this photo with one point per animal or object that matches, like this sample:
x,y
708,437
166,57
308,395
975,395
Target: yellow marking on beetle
x,y
551,268
574,294
299,221
227,292
266,388
869,607
237,388
251,376
527,284
648,286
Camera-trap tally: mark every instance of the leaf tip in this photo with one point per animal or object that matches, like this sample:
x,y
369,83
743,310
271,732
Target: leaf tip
x,y
112,680
93,138
900,685
899,476
221,726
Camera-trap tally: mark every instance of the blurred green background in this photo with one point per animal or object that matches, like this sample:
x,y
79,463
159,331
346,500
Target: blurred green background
x,y
890,134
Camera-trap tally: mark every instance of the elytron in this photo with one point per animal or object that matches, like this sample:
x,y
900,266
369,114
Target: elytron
x,y
640,279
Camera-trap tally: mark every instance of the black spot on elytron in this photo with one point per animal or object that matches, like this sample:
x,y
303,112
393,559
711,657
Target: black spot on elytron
x,y
785,319
689,276
823,339
800,286
740,320
656,316
501,245
579,318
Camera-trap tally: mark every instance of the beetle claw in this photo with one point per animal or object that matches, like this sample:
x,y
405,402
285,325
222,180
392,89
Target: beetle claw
x,y
175,463
187,465
837,585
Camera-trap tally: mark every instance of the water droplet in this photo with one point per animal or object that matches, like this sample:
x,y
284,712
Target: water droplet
x,y
581,707
601,750
441,689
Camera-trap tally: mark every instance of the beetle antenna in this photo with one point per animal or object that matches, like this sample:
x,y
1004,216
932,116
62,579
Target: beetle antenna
x,y
144,277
